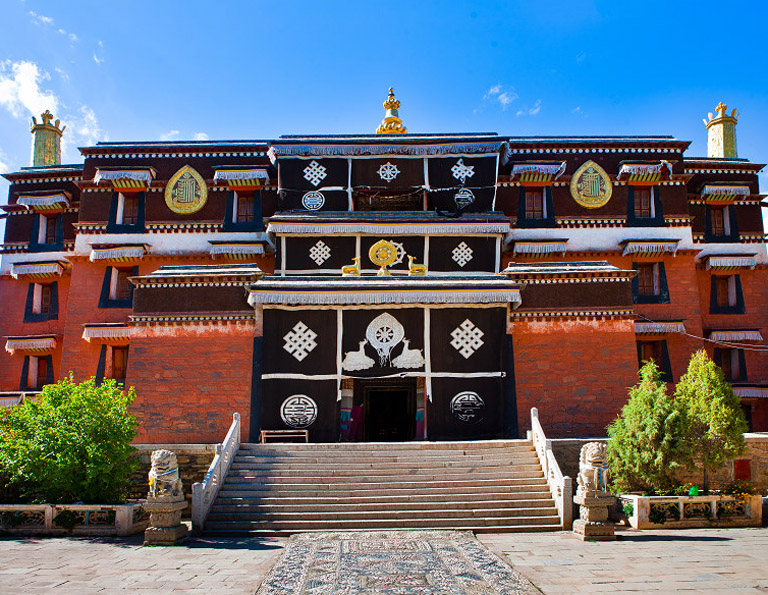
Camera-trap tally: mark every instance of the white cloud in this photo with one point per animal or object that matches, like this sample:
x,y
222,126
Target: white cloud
x,y
4,166
97,59
170,135
201,136
577,110
497,93
64,76
83,129
536,108
39,19
20,91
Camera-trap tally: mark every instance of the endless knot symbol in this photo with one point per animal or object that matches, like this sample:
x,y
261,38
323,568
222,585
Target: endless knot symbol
x,y
320,252
467,338
314,173
388,172
462,172
313,200
462,254
298,411
300,341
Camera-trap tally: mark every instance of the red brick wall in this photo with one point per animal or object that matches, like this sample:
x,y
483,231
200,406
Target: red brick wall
x,y
189,386
575,372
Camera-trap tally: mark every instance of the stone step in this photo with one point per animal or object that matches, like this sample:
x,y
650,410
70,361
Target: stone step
x,y
233,505
394,523
437,499
470,527
250,515
474,445
273,483
384,462
421,475
251,491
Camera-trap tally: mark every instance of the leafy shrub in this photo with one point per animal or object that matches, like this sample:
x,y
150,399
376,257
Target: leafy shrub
x,y
71,444
646,441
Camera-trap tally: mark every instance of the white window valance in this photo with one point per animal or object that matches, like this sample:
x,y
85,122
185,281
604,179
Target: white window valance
x,y
751,392
539,247
125,178
658,328
59,200
723,192
241,177
107,332
640,172
649,247
30,344
735,336
537,172
235,249
726,262
37,270
118,253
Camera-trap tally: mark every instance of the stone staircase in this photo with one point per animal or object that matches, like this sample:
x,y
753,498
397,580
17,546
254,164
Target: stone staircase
x,y
482,486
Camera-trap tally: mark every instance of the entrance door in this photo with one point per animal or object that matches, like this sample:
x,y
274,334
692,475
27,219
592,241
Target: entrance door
x,y
390,409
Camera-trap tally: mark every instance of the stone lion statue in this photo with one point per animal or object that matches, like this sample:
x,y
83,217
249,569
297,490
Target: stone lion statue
x,y
593,468
164,475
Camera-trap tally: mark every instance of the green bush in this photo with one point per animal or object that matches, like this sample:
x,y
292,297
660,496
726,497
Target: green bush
x,y
715,423
646,444
72,444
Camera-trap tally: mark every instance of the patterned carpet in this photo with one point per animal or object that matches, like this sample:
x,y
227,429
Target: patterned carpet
x,y
390,563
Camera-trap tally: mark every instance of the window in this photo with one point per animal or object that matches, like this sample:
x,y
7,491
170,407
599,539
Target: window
x,y
650,284
726,295
245,212
116,289
39,372
119,363
720,224
47,231
534,203
130,210
42,302
657,352
731,362
126,213
643,202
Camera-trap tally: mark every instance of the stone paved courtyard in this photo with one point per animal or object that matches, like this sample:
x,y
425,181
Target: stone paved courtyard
x,y
702,560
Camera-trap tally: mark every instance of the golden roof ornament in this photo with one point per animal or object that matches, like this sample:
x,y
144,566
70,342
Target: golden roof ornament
x,y
721,132
46,146
391,124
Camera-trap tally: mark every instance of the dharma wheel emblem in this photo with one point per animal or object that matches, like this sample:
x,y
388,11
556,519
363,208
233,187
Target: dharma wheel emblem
x,y
590,186
186,191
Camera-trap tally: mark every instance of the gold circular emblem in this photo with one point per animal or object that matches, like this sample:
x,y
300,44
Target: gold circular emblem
x,y
590,186
186,191
383,253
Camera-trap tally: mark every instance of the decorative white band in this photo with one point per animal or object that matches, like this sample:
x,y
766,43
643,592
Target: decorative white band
x,y
751,392
217,249
735,336
425,296
144,176
107,332
657,328
538,247
457,228
119,253
640,172
553,171
30,345
48,201
37,270
724,191
731,262
226,175
651,247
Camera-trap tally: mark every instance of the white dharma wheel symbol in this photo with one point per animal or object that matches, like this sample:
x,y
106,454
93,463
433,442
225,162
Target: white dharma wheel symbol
x,y
298,411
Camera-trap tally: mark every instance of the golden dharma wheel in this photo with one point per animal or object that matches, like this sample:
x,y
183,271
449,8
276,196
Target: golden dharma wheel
x,y
383,253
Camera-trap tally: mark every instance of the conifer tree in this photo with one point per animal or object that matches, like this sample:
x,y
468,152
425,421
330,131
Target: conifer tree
x,y
715,423
646,441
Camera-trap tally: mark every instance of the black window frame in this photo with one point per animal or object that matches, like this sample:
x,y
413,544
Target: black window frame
x,y
229,218
548,221
658,213
104,300
49,376
731,214
718,359
53,314
139,227
738,308
36,246
665,366
663,295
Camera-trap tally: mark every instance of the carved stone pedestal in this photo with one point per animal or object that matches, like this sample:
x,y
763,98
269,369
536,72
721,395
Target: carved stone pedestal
x,y
165,526
593,510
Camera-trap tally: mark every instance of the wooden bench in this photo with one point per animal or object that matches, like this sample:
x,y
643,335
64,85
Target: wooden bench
x,y
283,436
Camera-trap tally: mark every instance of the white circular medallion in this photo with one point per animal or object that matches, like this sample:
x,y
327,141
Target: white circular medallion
x,y
463,198
313,200
299,411
467,407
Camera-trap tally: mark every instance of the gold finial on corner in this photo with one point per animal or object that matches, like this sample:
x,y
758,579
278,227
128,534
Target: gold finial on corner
x,y
391,124
721,132
46,144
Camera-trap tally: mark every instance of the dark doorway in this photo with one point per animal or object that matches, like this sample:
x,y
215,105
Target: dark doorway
x,y
390,409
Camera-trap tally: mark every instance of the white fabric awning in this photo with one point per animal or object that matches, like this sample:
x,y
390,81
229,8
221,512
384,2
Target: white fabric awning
x,y
10,401
125,178
751,392
639,172
241,177
30,344
658,328
735,336
236,249
539,247
537,172
721,192
37,270
728,261
59,200
118,253
106,332
649,247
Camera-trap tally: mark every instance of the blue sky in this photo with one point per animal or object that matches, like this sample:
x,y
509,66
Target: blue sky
x,y
137,70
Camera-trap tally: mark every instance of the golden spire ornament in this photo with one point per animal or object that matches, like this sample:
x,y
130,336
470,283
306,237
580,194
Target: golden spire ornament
x,y
391,124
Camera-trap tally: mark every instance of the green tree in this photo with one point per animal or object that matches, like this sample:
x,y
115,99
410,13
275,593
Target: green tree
x,y
72,444
715,423
646,441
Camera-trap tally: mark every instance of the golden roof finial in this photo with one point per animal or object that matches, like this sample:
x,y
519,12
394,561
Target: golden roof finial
x,y
46,146
391,124
721,132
